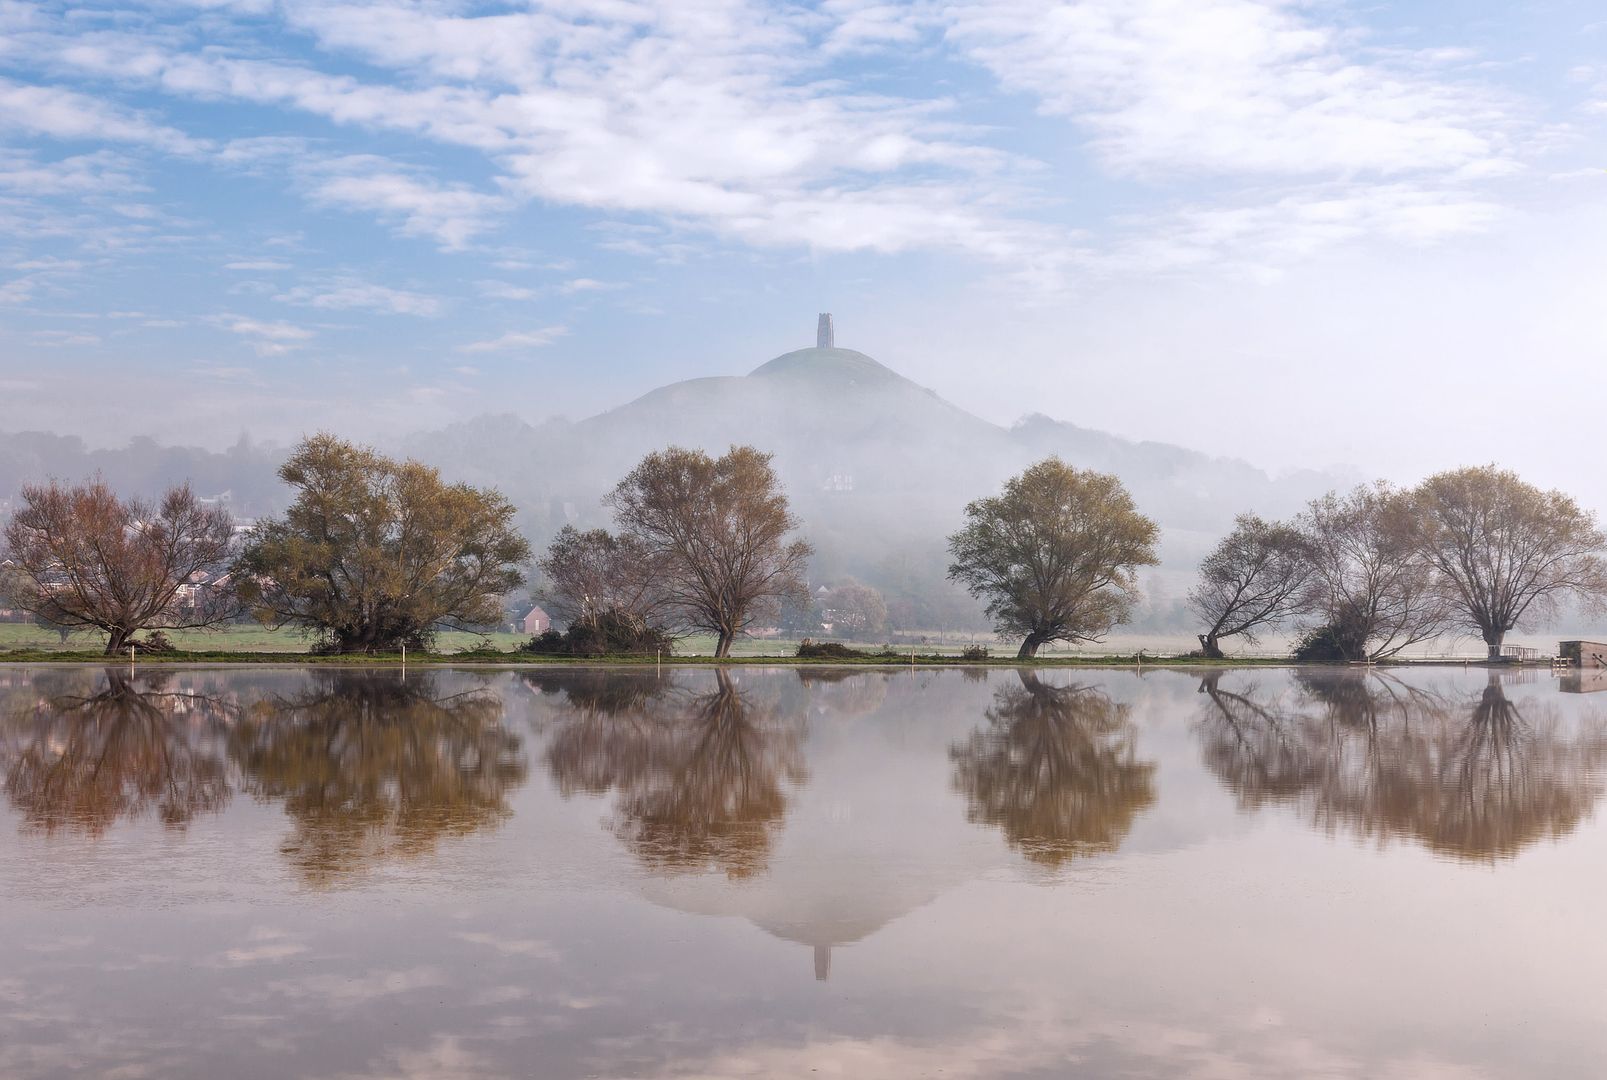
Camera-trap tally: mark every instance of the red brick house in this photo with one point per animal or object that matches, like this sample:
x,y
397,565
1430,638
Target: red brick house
x,y
537,622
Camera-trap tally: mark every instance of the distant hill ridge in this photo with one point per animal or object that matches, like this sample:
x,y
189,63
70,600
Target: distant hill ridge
x,y
878,467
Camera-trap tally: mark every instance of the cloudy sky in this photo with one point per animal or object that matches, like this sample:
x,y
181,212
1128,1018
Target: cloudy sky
x,y
1297,232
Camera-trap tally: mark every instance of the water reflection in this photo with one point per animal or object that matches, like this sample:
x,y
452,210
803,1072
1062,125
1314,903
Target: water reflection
x,y
89,747
680,939
701,778
1056,768
1470,776
372,767
840,693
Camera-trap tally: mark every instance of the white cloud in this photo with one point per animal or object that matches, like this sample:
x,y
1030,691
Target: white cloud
x,y
514,339
98,173
1235,87
346,294
64,337
66,114
585,284
711,114
1261,131
502,290
18,290
268,338
451,214
1263,236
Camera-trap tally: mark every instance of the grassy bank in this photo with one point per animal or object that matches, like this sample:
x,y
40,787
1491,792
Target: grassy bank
x,y
26,643
248,644
512,659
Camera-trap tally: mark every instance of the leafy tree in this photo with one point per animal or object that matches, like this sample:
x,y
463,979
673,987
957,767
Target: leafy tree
x,y
376,553
1372,591
63,631
1253,581
855,611
1055,555
716,531
1506,550
82,557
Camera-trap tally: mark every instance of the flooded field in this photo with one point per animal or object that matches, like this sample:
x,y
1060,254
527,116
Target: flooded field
x,y
800,871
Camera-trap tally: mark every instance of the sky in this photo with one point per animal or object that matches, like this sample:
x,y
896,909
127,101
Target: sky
x,y
1300,233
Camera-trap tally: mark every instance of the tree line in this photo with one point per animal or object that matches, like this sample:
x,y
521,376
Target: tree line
x,y
375,554
1374,571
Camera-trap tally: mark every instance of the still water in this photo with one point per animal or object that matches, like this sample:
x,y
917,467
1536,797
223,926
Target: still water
x,y
800,872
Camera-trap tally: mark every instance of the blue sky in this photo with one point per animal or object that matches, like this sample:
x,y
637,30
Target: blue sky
x,y
1300,233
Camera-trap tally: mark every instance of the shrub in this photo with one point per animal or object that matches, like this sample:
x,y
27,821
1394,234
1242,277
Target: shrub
x,y
331,646
974,652
1322,644
154,642
828,650
612,633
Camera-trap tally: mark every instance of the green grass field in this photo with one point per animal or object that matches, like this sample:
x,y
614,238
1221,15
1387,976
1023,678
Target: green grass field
x,y
242,639
26,642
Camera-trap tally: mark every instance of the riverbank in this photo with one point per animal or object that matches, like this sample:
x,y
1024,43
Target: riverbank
x,y
483,658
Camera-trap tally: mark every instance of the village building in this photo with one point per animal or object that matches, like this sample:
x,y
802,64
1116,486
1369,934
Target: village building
x,y
536,621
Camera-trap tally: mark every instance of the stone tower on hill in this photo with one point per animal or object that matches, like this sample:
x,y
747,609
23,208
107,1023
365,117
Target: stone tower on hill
x,y
825,338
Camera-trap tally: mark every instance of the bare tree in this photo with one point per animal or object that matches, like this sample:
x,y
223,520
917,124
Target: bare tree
x,y
82,557
1054,555
717,531
1371,587
1505,549
592,572
1254,581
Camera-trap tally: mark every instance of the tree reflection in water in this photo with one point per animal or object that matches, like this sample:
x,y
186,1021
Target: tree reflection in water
x,y
372,767
1056,769
1472,778
110,745
700,779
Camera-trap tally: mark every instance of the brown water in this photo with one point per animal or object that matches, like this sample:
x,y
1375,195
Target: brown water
x,y
784,872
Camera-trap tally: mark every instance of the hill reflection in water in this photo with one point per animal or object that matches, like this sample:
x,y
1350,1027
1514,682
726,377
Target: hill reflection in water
x,y
308,871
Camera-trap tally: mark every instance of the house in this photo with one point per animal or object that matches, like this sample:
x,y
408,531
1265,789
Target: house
x,y
536,622
1584,654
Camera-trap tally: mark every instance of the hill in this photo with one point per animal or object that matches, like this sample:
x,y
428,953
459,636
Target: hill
x,y
879,469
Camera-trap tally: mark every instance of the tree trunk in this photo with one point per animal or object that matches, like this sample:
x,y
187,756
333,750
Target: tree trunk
x,y
117,641
1492,641
722,648
1210,647
1029,647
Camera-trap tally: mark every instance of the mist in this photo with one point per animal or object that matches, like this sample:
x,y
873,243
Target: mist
x,y
877,468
